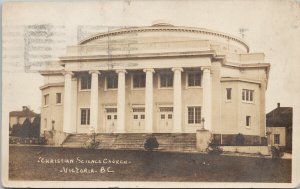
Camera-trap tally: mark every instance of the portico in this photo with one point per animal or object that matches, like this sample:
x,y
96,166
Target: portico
x,y
175,109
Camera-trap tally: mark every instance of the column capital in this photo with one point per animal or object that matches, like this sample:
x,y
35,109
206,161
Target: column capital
x,y
205,68
68,73
94,72
177,69
148,70
121,71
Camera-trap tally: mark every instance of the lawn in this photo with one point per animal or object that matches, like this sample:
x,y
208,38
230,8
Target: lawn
x,y
46,163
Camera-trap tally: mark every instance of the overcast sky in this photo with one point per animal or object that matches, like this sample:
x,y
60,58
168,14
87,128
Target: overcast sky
x,y
271,27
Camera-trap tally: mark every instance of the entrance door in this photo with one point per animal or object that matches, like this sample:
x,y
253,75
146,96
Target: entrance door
x,y
165,119
111,120
138,120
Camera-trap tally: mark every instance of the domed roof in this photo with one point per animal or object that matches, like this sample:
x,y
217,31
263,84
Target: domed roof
x,y
159,32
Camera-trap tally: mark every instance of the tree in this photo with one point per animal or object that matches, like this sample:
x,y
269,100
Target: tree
x,y
36,127
26,128
16,130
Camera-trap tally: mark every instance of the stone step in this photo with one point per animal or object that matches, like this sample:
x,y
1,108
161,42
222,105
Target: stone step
x,y
167,141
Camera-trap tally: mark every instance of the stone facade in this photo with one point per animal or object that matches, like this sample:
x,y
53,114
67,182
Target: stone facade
x,y
157,79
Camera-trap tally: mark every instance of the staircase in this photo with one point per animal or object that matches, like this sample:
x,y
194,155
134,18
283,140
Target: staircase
x,y
183,142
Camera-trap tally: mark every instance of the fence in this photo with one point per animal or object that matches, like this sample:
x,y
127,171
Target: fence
x,y
24,140
239,140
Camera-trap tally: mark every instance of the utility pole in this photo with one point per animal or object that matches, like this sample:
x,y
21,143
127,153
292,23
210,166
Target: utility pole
x,y
242,31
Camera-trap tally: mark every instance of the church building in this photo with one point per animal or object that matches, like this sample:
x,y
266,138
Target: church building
x,y
157,79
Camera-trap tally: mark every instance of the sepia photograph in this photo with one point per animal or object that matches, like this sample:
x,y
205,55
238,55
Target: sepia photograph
x,y
133,93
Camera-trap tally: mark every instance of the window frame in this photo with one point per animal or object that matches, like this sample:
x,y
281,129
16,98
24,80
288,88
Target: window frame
x,y
247,94
194,123
89,84
106,82
87,118
58,103
248,121
132,81
160,80
137,112
230,94
46,101
187,78
277,135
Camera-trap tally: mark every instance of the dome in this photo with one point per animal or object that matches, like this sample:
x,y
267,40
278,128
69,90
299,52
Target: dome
x,y
165,32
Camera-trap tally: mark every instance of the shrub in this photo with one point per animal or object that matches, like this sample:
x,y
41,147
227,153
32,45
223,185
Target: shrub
x,y
151,143
213,148
92,143
276,152
42,141
239,139
12,140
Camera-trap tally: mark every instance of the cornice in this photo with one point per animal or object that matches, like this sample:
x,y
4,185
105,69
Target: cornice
x,y
52,72
249,65
229,79
164,29
52,85
66,59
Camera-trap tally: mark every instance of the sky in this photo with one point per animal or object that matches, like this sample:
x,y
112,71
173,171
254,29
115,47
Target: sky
x,y
271,27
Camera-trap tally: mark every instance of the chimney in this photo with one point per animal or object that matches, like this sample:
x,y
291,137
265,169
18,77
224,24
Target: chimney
x,y
278,105
24,108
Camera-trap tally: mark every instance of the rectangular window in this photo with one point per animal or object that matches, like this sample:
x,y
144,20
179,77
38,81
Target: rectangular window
x,y
248,121
276,138
197,115
85,82
139,80
85,116
166,80
58,98
112,81
166,109
247,95
228,93
46,99
194,115
194,79
251,96
111,110
138,109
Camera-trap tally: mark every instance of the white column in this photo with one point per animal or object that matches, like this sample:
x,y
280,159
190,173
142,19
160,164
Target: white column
x,y
206,107
149,100
121,101
177,101
67,127
94,101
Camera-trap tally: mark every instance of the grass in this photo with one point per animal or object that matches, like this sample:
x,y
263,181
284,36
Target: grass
x,y
145,166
